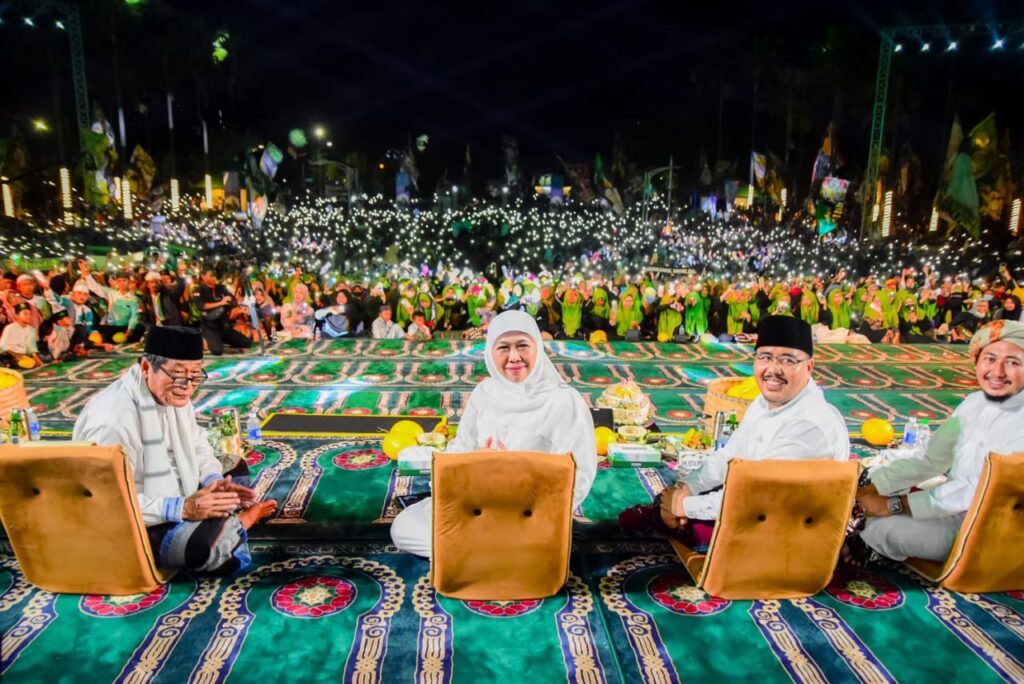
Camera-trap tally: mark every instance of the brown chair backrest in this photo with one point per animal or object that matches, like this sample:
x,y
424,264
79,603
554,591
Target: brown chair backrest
x,y
502,524
988,554
781,528
72,516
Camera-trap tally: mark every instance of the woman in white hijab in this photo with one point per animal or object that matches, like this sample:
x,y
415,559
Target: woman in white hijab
x,y
524,406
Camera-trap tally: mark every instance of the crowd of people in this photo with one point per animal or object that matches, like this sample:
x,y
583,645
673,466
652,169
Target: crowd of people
x,y
73,310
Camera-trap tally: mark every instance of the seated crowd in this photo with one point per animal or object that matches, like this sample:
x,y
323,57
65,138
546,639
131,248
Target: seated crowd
x,y
71,311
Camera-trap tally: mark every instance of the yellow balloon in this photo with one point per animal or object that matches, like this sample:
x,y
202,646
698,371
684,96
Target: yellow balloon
x,y
395,442
95,337
119,338
877,432
604,436
408,427
26,362
663,337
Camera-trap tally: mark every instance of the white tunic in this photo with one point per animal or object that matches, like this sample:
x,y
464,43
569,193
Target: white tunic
x,y
807,427
957,450
111,417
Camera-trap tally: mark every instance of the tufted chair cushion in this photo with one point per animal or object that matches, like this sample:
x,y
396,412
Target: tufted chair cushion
x,y
780,530
72,516
987,555
502,524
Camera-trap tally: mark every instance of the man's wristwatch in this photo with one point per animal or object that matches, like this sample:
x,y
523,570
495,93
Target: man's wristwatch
x,y
895,505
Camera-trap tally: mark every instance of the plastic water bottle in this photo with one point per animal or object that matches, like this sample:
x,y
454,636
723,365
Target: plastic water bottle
x,y
254,430
924,435
33,425
910,433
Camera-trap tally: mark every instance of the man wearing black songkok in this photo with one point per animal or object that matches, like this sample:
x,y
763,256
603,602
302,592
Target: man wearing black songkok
x,y
789,420
196,516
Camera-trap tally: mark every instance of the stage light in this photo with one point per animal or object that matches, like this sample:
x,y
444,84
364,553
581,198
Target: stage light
x,y
1014,216
898,47
126,199
208,181
998,45
319,132
933,224
952,46
925,47
9,201
29,21
65,195
330,143
59,25
40,125
887,215
175,197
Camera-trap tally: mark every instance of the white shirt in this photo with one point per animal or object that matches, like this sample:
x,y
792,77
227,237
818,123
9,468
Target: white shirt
x,y
957,450
20,339
807,427
110,417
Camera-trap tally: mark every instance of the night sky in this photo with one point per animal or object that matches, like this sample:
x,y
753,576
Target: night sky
x,y
564,78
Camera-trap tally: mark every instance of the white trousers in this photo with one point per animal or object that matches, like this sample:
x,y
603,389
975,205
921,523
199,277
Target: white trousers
x,y
411,529
900,536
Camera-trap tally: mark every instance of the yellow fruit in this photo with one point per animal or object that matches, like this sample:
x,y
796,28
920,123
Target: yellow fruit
x,y
604,436
663,337
408,427
746,389
394,442
119,338
95,337
598,336
26,362
877,432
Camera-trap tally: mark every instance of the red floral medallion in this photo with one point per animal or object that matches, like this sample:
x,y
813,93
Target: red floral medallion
x,y
361,459
431,378
423,411
254,458
320,377
864,381
264,376
863,589
863,415
679,414
503,609
601,380
923,414
677,593
654,381
356,411
292,409
1016,594
313,597
120,606
97,374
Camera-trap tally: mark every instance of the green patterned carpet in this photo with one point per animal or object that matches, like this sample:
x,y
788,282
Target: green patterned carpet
x,y
327,598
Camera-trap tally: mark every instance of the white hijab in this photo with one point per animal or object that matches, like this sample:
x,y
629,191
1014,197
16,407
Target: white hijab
x,y
539,385
541,413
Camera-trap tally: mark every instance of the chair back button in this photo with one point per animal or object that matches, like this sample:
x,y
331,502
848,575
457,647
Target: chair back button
x,y
808,520
35,491
762,517
87,493
477,511
527,513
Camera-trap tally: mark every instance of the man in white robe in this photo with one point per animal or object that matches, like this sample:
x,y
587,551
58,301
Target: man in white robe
x,y
789,420
187,504
924,524
523,406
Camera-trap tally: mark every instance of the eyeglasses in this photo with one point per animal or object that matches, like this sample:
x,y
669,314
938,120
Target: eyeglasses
x,y
785,360
183,381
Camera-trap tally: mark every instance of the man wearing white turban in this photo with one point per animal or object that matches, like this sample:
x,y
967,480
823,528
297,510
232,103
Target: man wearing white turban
x,y
523,406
